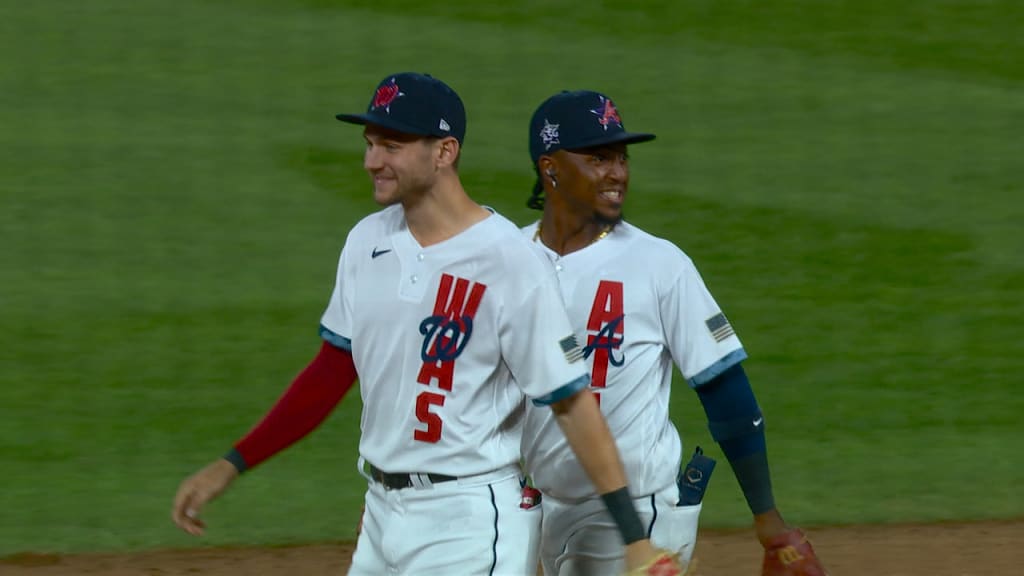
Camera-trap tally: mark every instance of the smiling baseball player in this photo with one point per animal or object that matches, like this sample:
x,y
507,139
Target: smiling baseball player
x,y
448,316
638,305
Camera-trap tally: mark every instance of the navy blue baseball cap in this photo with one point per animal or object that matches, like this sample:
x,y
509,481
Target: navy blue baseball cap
x,y
414,103
578,119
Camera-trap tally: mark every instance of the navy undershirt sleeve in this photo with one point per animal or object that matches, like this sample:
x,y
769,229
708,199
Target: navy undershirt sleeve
x,y
736,423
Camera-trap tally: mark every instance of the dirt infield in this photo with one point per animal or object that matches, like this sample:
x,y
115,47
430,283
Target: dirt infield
x,y
980,549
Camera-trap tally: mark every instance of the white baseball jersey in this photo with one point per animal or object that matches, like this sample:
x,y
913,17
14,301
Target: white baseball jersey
x,y
638,305
446,340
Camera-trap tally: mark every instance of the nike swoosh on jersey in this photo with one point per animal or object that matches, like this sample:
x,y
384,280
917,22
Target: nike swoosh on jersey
x,y
376,252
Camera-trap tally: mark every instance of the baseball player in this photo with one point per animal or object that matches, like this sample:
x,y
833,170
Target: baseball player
x,y
638,305
446,340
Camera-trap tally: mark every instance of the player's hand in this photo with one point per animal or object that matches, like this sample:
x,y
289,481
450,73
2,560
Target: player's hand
x,y
790,554
198,489
643,559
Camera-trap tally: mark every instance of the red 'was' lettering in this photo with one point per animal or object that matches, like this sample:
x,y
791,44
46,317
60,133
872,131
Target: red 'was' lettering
x,y
423,403
446,333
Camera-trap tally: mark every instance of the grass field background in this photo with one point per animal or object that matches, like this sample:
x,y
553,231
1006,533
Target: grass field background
x,y
174,191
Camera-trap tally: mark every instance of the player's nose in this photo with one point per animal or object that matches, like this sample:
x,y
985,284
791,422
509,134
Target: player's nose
x,y
372,159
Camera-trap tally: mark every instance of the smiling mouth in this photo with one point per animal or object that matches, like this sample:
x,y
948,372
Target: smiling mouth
x,y
612,195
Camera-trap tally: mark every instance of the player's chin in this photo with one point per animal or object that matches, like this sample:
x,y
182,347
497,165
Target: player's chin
x,y
385,194
609,213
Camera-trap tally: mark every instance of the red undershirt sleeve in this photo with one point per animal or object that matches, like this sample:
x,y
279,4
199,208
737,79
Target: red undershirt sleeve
x,y
307,402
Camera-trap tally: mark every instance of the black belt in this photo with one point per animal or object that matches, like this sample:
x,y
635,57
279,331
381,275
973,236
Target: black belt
x,y
397,481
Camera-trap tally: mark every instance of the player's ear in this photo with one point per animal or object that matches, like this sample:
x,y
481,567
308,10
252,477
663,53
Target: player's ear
x,y
547,167
447,151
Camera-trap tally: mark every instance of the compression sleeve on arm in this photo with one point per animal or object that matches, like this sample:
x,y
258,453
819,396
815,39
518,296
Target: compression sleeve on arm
x,y
736,423
314,393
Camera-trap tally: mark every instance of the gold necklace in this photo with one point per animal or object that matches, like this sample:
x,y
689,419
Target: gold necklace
x,y
607,229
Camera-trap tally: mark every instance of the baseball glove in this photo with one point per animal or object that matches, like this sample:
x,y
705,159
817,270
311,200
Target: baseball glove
x,y
790,554
664,564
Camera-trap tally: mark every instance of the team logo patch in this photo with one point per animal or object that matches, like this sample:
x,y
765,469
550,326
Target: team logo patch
x,y
571,348
607,113
385,95
444,338
549,134
719,327
447,331
605,339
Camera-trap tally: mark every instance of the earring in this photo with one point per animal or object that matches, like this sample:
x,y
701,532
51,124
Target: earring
x,y
551,175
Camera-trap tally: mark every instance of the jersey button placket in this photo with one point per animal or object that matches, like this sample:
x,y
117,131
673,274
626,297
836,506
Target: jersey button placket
x,y
415,273
415,277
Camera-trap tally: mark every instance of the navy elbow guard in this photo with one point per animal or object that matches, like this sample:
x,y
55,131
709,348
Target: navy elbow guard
x,y
734,418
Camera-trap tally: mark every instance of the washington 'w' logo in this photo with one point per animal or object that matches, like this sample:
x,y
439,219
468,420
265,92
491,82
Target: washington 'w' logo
x,y
385,95
447,332
444,339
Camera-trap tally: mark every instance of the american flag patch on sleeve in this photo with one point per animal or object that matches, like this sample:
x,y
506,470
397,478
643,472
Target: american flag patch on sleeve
x,y
571,348
719,327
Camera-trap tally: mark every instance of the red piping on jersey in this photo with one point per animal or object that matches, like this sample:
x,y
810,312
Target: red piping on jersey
x,y
312,396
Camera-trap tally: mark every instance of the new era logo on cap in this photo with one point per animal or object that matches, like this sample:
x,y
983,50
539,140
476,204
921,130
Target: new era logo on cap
x,y
414,103
579,119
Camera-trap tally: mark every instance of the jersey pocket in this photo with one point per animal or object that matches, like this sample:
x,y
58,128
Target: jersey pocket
x,y
675,529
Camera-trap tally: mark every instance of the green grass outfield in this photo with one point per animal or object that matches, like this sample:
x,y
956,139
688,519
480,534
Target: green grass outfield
x,y
174,191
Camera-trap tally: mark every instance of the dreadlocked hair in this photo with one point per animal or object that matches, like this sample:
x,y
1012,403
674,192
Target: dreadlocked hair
x,y
536,200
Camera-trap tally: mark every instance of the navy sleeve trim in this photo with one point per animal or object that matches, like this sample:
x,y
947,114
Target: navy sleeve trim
x,y
563,392
336,340
237,460
711,372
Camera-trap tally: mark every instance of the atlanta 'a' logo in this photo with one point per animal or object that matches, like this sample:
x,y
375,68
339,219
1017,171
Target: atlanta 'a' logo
x,y
607,113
